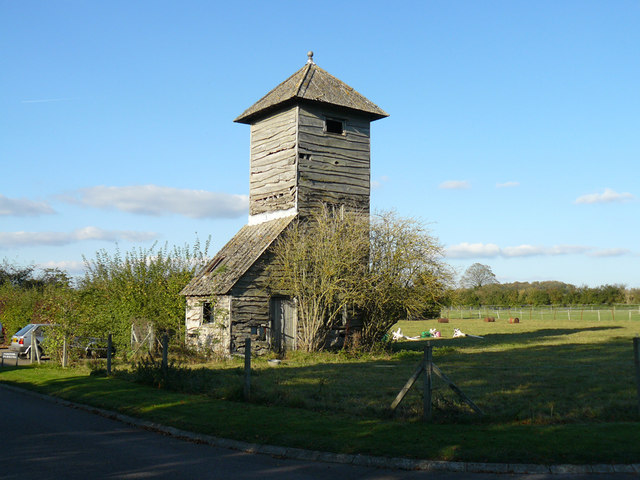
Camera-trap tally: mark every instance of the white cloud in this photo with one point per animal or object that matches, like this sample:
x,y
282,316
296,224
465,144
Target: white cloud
x,y
473,250
522,251
70,266
610,252
532,250
608,196
480,250
155,200
507,185
455,185
23,207
30,239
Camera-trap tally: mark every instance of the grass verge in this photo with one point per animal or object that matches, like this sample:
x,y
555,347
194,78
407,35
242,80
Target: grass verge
x,y
616,442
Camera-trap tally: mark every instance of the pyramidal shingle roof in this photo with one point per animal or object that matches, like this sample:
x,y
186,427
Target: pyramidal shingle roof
x,y
312,83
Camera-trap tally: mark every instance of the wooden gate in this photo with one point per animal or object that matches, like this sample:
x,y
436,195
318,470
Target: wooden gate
x,y
283,324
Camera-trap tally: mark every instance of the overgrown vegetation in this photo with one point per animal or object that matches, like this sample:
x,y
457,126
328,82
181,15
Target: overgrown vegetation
x,y
137,287
322,263
407,276
371,271
25,294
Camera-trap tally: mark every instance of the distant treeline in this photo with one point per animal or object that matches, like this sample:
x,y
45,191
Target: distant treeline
x,y
543,293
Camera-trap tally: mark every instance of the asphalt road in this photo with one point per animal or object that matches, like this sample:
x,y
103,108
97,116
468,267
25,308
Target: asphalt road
x,y
44,440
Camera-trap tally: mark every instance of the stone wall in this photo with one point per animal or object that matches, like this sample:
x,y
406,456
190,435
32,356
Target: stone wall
x,y
211,338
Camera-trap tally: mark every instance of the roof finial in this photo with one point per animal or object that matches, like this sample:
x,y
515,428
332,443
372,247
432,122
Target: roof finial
x,y
310,55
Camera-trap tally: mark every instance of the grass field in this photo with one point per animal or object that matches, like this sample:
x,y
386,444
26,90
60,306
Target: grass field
x,y
537,372
552,390
544,370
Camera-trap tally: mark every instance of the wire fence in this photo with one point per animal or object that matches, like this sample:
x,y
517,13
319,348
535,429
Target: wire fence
x,y
546,312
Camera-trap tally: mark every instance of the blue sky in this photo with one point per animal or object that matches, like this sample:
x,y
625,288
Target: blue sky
x,y
514,127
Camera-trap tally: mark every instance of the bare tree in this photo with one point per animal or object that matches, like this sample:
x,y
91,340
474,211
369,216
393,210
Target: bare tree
x,y
385,267
407,275
320,262
478,275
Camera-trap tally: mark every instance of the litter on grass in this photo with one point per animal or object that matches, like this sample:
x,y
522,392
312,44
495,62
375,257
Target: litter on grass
x,y
432,333
459,333
398,335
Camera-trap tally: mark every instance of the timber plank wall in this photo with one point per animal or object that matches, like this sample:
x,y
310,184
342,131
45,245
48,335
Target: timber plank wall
x,y
333,168
272,182
295,163
250,305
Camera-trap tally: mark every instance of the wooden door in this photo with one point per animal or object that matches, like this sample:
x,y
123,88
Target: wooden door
x,y
283,324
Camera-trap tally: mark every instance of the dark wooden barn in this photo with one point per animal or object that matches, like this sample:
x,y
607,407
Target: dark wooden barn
x,y
309,146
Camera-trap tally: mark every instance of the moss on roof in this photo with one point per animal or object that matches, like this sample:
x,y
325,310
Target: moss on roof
x,y
235,258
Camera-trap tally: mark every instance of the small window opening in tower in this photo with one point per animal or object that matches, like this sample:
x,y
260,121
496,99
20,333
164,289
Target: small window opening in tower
x,y
333,125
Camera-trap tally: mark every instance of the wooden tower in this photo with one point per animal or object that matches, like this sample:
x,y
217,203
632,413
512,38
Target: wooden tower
x,y
310,146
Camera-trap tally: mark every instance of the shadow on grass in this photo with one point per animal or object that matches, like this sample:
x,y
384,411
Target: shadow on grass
x,y
527,381
533,383
334,432
341,406
521,338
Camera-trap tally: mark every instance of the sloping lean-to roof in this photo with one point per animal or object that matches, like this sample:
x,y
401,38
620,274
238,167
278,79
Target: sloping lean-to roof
x,y
235,258
312,83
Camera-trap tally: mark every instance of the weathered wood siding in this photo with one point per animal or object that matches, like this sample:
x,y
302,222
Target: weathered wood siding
x,y
213,338
250,307
333,168
272,183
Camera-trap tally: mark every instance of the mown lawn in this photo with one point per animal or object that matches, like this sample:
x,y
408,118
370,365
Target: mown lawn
x,y
552,392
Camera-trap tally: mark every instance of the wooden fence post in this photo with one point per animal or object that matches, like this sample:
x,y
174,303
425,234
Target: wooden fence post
x,y
33,353
64,352
109,343
428,369
407,386
33,341
165,354
636,361
247,368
